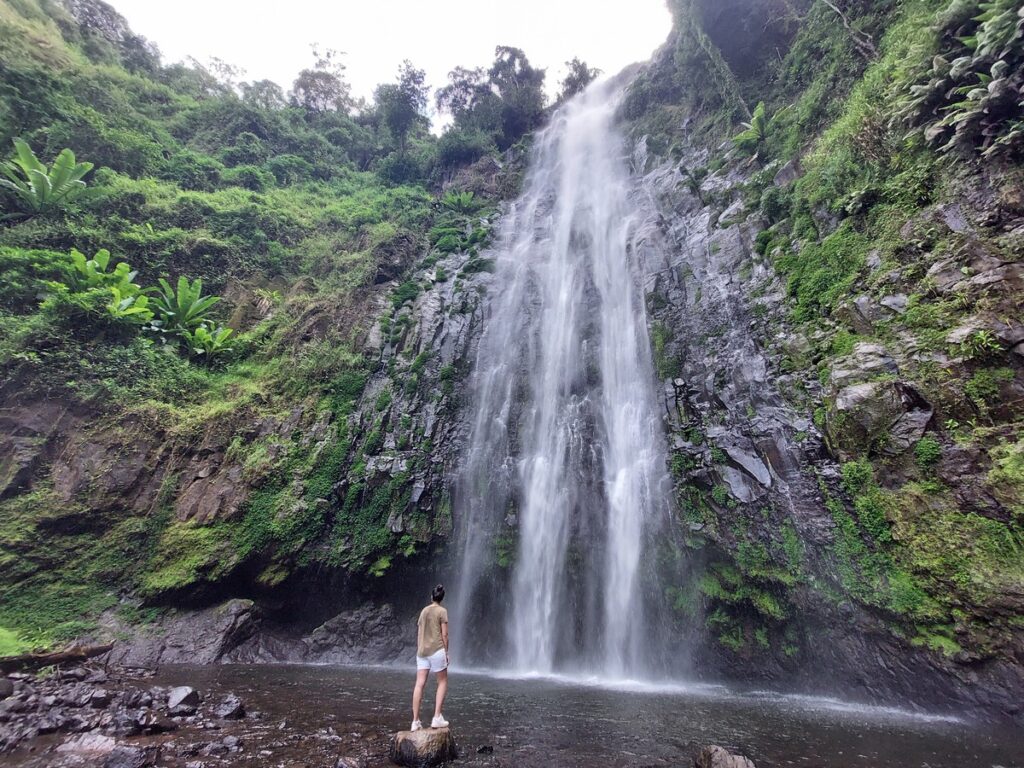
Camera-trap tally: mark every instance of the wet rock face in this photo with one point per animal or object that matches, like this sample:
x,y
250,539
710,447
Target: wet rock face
x,y
365,635
869,408
747,30
752,470
200,637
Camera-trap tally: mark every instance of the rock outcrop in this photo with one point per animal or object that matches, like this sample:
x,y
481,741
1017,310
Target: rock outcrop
x,y
719,757
190,637
423,748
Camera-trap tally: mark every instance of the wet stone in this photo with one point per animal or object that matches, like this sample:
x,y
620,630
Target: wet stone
x,y
719,757
230,708
128,757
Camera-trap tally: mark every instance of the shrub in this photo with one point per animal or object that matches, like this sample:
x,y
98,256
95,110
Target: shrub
x,y
457,147
927,452
399,168
184,309
193,171
249,177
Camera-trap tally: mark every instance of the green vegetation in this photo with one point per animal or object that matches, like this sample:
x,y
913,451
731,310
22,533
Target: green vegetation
x,y
240,236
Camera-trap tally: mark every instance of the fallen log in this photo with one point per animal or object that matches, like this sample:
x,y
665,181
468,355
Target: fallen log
x,y
36,660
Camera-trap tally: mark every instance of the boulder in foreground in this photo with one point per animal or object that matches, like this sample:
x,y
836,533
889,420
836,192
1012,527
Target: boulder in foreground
x,y
424,748
719,757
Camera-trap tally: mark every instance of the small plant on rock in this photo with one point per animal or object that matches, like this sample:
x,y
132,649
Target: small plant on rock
x,y
207,341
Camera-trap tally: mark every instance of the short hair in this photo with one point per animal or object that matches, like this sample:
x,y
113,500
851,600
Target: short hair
x,y
438,594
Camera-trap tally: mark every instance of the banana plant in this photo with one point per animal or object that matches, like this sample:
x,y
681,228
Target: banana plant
x,y
208,340
38,188
85,274
185,309
755,133
130,307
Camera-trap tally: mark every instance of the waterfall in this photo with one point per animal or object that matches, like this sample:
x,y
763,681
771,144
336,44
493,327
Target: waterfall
x,y
564,477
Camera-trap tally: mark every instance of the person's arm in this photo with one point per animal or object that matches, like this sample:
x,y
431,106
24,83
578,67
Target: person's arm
x,y
444,637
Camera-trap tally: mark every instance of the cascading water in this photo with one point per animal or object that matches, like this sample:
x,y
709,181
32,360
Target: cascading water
x,y
564,480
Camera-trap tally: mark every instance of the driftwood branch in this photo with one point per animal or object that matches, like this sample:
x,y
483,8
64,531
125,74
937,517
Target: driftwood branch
x,y
74,654
862,41
865,45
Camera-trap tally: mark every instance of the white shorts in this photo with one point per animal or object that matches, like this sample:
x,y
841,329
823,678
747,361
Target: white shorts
x,y
435,662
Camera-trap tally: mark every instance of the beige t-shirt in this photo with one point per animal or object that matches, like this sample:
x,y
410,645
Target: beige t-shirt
x,y
429,625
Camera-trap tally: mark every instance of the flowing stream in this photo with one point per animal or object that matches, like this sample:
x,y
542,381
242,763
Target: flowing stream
x,y
564,480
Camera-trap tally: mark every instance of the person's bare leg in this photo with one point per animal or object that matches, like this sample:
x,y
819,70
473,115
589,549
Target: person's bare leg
x,y
417,692
442,689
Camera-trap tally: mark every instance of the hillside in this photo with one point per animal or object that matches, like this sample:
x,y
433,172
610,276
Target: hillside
x,y
831,265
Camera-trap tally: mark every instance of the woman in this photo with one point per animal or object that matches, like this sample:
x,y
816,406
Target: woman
x,y
431,656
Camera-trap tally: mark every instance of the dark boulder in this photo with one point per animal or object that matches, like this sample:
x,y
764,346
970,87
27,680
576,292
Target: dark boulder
x,y
200,637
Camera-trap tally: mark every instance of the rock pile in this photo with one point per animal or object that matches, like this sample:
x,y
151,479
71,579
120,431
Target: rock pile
x,y
99,710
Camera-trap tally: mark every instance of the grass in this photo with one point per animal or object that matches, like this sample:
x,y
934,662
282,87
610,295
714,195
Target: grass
x,y
10,643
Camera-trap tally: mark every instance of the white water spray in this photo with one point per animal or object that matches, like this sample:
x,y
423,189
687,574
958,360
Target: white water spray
x,y
567,440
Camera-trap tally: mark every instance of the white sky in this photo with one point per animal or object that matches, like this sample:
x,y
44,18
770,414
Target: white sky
x,y
271,40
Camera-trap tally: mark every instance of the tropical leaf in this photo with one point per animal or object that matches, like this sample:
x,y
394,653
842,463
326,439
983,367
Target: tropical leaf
x,y
207,341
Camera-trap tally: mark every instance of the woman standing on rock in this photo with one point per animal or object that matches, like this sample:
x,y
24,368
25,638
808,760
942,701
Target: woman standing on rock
x,y
431,656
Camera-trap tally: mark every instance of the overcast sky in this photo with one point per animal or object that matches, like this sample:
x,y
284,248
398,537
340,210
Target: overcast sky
x,y
272,39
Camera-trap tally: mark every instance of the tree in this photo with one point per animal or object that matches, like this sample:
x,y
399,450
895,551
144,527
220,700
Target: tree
x,y
401,104
464,91
263,94
577,79
322,88
471,100
521,88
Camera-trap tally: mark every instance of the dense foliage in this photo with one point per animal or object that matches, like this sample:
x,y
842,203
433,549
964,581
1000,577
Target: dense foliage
x,y
261,225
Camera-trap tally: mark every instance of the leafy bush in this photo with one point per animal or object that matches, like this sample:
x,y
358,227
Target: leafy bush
x,y
130,307
250,177
755,133
462,147
84,274
463,202
399,168
191,170
207,340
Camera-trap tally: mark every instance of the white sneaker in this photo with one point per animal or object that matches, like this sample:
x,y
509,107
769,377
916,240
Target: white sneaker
x,y
416,726
439,722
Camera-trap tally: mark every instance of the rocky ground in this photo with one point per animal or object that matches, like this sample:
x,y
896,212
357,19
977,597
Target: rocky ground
x,y
95,716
